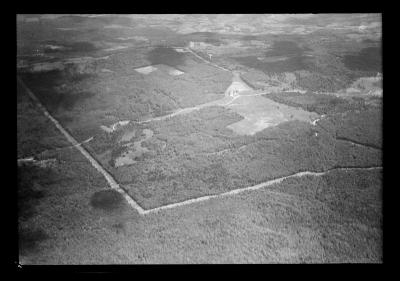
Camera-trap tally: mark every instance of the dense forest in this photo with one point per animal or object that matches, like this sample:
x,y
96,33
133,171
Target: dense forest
x,y
319,103
189,167
35,132
368,59
196,154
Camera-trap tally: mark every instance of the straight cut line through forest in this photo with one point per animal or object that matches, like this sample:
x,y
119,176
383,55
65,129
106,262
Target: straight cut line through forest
x,y
114,185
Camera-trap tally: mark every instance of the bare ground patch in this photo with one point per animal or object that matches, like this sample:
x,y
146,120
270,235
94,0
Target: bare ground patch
x,y
260,113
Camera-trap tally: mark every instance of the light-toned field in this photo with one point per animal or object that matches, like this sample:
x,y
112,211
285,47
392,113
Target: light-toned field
x,y
260,113
115,48
175,72
366,86
181,50
238,87
146,69
165,68
114,126
138,38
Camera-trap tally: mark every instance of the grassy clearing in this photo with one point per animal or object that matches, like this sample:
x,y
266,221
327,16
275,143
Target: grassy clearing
x,y
146,69
212,38
260,113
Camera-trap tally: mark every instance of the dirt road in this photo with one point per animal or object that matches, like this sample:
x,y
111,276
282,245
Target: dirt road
x,y
206,61
255,187
112,183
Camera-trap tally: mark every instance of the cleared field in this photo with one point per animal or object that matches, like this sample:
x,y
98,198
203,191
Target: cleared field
x,y
146,69
260,113
366,86
115,126
237,86
165,68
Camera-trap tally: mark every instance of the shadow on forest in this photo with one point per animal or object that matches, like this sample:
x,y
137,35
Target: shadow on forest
x,y
43,85
167,56
32,181
29,240
368,59
295,60
107,200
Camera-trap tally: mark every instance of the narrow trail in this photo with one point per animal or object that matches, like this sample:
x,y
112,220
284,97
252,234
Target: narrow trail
x,y
225,101
359,143
222,102
112,183
254,187
206,61
66,147
31,158
353,142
